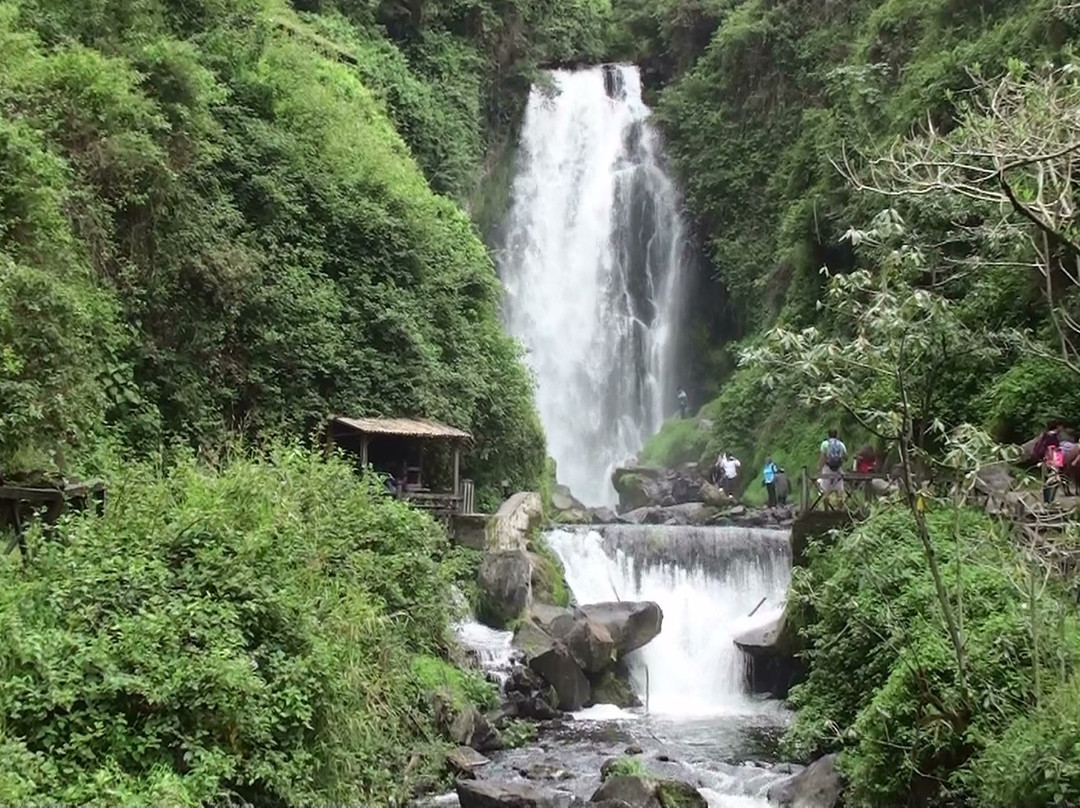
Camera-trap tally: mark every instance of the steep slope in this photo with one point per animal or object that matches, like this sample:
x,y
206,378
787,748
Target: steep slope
x,y
209,223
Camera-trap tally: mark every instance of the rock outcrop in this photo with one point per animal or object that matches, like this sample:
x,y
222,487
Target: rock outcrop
x,y
772,647
510,527
630,624
505,581
645,792
819,785
492,794
470,728
645,486
558,667
577,651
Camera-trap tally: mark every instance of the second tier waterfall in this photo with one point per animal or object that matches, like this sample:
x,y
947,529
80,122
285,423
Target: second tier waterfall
x,y
593,262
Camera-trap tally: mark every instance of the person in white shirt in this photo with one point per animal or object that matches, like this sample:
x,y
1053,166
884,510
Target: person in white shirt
x,y
730,466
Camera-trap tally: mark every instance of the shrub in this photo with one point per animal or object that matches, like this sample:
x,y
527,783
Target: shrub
x,y
244,633
681,440
883,686
625,766
1019,402
465,687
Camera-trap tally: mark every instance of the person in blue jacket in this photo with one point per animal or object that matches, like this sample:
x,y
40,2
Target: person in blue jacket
x,y
769,474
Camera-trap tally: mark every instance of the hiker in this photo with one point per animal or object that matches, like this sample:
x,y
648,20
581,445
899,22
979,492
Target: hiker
x,y
1049,453
780,483
716,473
832,455
684,403
730,468
865,461
768,475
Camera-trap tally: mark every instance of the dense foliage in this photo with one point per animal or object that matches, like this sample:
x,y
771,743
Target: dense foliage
x,y
249,632
773,112
883,687
211,219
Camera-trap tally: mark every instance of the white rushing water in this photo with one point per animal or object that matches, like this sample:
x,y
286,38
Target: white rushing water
x,y
593,262
694,668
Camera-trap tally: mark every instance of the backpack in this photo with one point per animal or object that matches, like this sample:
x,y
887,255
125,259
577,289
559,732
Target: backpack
x,y
834,454
1055,457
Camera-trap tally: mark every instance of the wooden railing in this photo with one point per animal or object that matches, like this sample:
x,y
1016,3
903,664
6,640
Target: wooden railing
x,y
858,491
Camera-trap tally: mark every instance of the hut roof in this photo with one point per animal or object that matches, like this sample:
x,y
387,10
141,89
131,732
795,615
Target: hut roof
x,y
402,427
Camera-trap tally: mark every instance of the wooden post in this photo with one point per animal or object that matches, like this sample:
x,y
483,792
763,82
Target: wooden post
x,y
804,494
457,470
363,451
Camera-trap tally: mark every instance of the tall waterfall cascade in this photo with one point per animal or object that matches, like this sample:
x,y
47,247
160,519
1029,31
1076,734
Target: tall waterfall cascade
x,y
593,262
707,581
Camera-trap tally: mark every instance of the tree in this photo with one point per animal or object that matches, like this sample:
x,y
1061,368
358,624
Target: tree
x,y
884,362
1014,153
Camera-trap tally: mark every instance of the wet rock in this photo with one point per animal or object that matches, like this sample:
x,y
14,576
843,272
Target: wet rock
x,y
537,706
610,804
563,500
637,792
638,487
531,638
603,516
819,785
561,670
614,82
630,624
591,645
470,728
714,496
492,794
632,750
463,761
555,620
505,582
610,688
510,526
677,794
640,516
773,649
545,771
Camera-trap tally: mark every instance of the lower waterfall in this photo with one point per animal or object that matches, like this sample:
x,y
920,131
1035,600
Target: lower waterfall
x,y
707,582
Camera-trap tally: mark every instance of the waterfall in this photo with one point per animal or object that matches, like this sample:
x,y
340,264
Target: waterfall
x,y
593,262
706,580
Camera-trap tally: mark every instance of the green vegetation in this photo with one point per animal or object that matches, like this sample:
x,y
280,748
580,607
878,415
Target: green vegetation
x,y
775,112
625,766
548,576
883,686
249,632
223,207
464,687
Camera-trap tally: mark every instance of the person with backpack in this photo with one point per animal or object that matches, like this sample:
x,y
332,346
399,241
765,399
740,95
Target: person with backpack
x,y
780,483
832,455
1048,450
769,477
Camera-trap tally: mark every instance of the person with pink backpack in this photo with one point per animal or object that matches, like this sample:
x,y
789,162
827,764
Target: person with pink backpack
x,y
1052,457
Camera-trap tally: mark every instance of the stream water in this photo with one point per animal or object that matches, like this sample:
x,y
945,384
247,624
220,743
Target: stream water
x,y
593,263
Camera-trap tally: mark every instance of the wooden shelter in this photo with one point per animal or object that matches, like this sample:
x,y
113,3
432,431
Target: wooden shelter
x,y
397,447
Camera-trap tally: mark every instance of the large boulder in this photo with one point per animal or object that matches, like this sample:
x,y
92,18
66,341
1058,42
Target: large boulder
x,y
638,487
471,729
611,688
773,648
630,624
563,500
492,794
510,526
559,668
715,496
645,792
505,582
591,645
819,785
464,761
